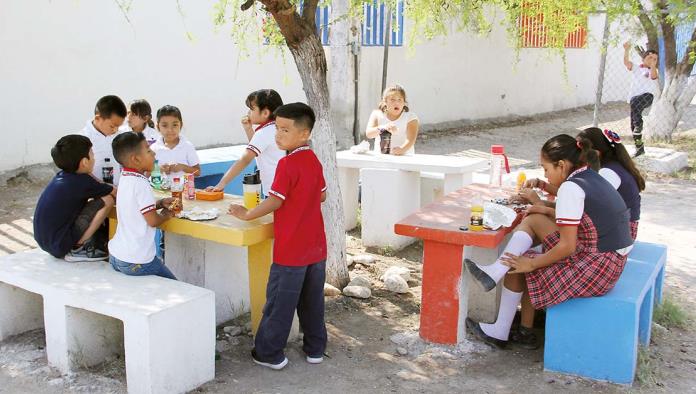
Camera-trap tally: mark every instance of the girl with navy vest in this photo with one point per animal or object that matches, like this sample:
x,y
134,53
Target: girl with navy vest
x,y
585,241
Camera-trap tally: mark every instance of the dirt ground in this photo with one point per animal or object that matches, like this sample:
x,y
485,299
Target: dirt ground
x,y
361,356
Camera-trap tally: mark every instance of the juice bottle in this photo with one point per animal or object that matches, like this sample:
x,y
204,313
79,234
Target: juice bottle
x,y
476,220
177,193
251,186
521,179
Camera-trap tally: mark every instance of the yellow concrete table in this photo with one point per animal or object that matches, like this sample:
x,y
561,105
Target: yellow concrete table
x,y
213,254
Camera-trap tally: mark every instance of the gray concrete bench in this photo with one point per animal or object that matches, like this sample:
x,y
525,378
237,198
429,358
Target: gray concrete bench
x,y
164,328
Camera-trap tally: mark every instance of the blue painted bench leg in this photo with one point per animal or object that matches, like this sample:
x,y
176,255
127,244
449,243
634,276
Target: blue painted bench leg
x,y
646,313
658,285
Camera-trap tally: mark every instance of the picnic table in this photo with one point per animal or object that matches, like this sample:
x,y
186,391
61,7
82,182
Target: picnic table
x,y
448,294
391,188
227,255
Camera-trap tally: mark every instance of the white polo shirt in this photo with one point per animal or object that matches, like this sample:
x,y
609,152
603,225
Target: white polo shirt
x,y
642,82
267,153
101,145
134,241
183,153
151,135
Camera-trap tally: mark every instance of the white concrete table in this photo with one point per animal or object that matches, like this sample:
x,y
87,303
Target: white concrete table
x,y
391,189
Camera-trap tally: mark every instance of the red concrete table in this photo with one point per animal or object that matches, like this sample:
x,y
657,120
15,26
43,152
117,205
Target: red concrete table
x,y
443,308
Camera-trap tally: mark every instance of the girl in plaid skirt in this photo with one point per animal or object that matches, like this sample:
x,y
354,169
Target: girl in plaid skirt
x,y
584,236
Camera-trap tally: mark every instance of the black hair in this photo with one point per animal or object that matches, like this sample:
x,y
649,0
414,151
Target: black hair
x,y
612,151
648,52
169,110
70,150
110,105
126,144
264,99
142,108
578,151
301,113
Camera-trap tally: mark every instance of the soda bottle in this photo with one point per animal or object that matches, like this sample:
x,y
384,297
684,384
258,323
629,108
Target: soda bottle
x,y
108,171
385,141
156,176
177,193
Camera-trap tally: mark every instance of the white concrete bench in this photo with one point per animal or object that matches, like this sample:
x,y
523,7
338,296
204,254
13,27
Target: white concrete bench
x,y
391,188
90,313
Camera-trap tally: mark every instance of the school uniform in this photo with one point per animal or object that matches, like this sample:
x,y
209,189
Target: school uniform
x,y
101,146
183,153
132,248
264,147
589,202
151,135
626,185
298,273
399,137
643,90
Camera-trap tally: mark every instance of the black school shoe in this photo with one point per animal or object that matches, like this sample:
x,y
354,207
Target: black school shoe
x,y
481,277
524,338
475,328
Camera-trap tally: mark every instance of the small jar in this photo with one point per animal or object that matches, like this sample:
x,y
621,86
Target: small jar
x,y
476,219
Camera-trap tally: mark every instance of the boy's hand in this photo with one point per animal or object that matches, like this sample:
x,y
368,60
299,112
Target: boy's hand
x,y
216,188
237,211
166,202
166,213
165,168
627,45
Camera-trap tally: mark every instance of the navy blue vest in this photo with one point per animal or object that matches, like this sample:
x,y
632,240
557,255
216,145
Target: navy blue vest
x,y
606,208
628,189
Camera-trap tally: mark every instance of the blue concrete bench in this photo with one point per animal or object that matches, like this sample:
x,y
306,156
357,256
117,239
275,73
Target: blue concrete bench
x,y
598,337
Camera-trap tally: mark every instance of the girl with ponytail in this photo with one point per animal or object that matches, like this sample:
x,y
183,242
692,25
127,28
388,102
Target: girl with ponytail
x,y
140,120
584,240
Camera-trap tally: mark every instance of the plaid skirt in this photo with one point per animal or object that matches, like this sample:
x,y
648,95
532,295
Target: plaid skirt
x,y
634,230
585,273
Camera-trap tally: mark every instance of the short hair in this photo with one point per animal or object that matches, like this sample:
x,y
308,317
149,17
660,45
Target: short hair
x,y
69,151
264,99
301,113
169,110
648,52
110,105
126,144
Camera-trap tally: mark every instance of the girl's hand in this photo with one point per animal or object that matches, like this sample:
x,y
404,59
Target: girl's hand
x,y
246,122
526,195
216,188
391,127
534,183
237,211
627,45
176,167
165,168
397,151
518,264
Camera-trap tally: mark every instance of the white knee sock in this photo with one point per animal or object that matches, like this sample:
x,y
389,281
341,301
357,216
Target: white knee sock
x,y
519,243
508,306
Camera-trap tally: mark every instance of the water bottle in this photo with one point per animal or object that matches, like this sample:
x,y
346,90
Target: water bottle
x,y
251,185
108,171
156,176
499,165
384,141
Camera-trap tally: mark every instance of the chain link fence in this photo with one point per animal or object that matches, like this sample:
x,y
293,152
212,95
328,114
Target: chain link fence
x,y
612,108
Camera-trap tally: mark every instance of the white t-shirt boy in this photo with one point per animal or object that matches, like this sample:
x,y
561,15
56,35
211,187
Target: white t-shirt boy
x,y
184,152
398,138
267,153
642,82
134,241
101,146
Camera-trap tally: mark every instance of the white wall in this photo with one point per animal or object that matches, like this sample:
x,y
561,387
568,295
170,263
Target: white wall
x,y
58,57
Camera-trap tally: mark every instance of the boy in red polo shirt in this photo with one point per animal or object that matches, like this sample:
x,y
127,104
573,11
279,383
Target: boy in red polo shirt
x,y
298,272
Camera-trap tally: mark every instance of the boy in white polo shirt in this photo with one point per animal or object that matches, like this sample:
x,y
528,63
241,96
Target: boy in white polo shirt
x,y
109,114
644,87
133,248
176,155
262,145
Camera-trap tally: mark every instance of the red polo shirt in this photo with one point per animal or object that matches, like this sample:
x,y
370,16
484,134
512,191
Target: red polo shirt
x,y
298,224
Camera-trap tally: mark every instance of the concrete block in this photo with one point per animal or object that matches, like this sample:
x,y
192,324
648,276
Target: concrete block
x,y
387,197
662,160
483,306
20,311
432,187
348,181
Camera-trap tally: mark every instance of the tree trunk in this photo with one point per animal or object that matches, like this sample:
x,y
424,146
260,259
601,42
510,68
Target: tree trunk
x,y
341,74
311,64
669,107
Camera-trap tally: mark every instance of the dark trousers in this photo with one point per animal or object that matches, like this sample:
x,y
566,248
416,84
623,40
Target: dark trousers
x,y
291,288
638,105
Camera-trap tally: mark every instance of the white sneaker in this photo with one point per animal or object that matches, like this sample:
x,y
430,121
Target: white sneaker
x,y
315,360
275,367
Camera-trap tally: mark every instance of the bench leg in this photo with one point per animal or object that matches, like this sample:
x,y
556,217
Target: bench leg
x,y
444,294
20,311
646,313
172,351
658,285
483,306
56,330
348,182
387,197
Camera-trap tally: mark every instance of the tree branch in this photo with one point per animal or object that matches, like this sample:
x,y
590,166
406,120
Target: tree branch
x,y
309,11
648,26
670,42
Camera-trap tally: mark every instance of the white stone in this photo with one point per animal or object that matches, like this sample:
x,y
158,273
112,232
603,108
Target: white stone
x,y
396,284
330,290
659,330
359,280
403,272
91,311
364,259
357,292
350,260
402,351
56,382
233,330
662,160
222,346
